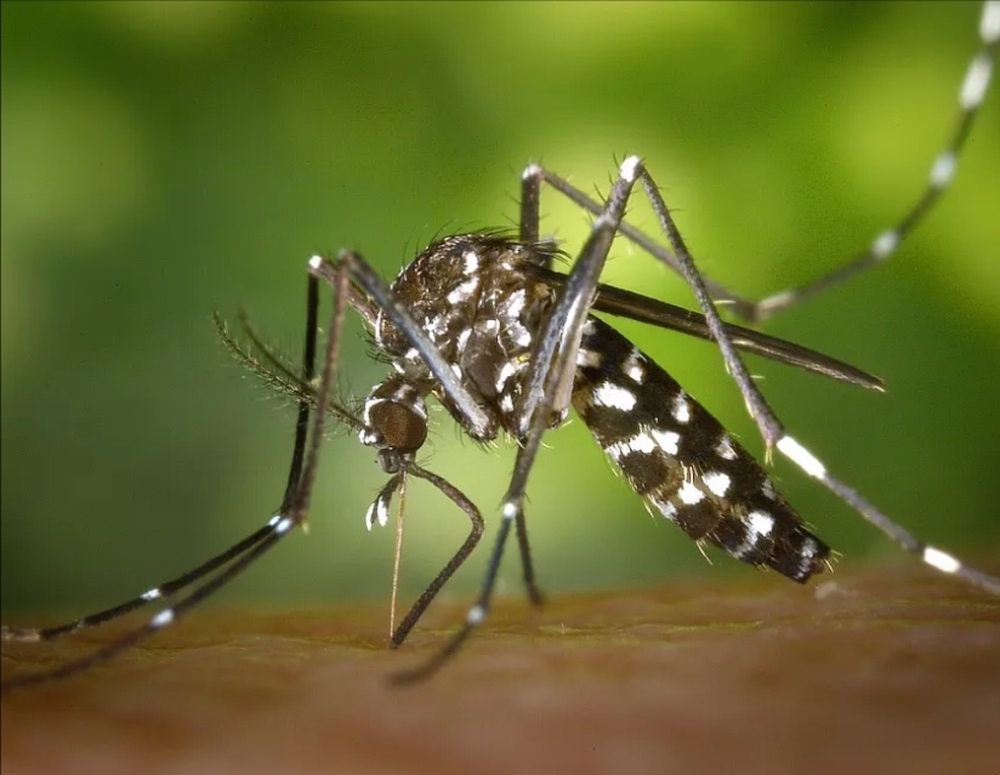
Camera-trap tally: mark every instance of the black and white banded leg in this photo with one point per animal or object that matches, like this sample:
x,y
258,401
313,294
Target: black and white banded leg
x,y
232,561
547,364
482,323
773,431
943,168
771,428
551,366
394,422
670,449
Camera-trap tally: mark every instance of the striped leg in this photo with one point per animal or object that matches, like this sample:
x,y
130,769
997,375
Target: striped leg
x,y
971,94
547,394
239,557
773,431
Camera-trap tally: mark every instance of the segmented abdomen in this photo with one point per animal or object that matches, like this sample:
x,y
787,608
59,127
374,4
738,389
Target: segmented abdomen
x,y
680,458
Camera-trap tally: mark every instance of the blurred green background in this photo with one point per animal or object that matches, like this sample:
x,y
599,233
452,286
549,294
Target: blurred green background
x,y
161,161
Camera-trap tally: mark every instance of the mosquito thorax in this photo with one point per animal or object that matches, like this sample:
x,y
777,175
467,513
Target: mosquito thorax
x,y
480,305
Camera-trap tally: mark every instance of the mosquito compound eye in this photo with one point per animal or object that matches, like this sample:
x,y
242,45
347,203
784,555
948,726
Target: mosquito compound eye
x,y
395,417
399,427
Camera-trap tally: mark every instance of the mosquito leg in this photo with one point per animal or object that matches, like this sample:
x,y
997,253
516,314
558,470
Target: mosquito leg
x,y
171,587
459,499
277,528
942,171
936,558
741,306
528,567
531,183
773,431
164,590
473,618
308,371
553,364
242,554
299,492
971,95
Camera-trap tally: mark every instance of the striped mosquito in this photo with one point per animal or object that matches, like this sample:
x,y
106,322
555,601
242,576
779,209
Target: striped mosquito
x,y
483,323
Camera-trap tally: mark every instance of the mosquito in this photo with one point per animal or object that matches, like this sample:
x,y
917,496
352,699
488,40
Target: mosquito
x,y
483,323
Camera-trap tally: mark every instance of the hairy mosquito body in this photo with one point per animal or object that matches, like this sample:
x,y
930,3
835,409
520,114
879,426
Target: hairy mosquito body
x,y
483,306
483,324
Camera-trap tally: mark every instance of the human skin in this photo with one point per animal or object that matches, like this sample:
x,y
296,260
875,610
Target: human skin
x,y
883,670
